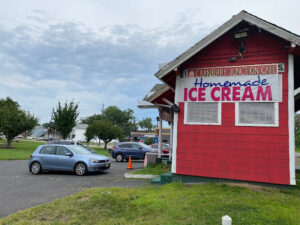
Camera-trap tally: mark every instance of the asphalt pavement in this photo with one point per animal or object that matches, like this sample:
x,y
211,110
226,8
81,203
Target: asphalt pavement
x,y
19,189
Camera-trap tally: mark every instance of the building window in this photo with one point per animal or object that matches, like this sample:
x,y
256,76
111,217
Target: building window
x,y
202,113
256,114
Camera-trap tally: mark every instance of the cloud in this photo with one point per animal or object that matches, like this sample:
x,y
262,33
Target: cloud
x,y
68,61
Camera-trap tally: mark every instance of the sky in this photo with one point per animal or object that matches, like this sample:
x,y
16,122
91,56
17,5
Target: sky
x,y
100,52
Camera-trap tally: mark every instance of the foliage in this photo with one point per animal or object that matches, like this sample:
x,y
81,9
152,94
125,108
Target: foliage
x,y
64,118
13,120
146,123
122,119
51,128
90,119
149,141
89,134
168,204
105,130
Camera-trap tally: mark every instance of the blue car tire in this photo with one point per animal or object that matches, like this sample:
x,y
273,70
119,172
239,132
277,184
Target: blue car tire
x,y
80,169
35,168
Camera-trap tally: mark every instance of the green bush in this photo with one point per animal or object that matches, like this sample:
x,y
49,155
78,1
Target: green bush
x,y
149,141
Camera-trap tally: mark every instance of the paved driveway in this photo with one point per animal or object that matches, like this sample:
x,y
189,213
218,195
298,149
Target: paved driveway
x,y
19,189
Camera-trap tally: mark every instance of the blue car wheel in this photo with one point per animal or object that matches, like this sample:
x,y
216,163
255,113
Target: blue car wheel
x,y
35,168
80,169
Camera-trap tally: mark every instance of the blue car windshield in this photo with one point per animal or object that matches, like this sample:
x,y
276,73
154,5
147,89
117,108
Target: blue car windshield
x,y
144,145
79,150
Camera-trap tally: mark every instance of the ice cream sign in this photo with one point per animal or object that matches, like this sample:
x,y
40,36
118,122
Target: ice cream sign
x,y
226,88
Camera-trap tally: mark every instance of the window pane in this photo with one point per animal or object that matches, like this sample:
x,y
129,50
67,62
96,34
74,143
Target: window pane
x,y
202,112
256,113
60,150
48,150
124,146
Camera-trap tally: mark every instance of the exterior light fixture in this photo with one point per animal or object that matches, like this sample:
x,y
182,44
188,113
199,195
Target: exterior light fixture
x,y
175,108
240,35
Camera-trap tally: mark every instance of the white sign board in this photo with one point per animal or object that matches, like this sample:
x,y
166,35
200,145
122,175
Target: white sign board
x,y
245,88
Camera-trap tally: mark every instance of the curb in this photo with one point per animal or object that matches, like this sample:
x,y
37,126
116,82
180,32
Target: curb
x,y
139,176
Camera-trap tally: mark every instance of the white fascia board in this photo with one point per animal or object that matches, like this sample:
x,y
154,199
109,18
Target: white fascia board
x,y
273,29
145,105
199,46
157,94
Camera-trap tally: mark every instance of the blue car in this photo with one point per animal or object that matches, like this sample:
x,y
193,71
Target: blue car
x,y
123,150
67,158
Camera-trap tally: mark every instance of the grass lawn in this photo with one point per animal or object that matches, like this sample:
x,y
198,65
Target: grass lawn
x,y
297,149
22,150
170,204
100,150
155,169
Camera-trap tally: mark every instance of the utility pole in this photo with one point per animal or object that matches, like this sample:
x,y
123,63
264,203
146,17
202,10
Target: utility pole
x,y
102,110
134,124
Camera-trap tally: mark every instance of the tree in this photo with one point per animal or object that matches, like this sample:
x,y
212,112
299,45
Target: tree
x,y
146,123
90,119
89,134
120,118
13,120
105,130
65,118
51,129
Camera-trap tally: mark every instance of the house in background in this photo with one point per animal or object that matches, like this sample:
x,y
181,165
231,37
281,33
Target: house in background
x,y
78,132
37,132
231,100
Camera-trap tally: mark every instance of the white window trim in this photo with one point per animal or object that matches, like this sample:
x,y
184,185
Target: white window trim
x,y
200,123
276,118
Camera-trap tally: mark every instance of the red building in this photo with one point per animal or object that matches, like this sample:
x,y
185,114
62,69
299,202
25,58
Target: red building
x,y
235,92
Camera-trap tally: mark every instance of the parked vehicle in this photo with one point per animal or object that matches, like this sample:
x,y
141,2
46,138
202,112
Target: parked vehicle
x,y
123,150
69,142
165,148
68,158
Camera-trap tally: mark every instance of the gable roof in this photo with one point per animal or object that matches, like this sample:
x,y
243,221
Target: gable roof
x,y
235,20
156,91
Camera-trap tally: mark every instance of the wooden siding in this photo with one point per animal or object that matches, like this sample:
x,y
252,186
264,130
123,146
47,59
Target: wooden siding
x,y
259,154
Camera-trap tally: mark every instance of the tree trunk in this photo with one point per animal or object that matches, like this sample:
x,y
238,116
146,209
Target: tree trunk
x,y
105,145
9,140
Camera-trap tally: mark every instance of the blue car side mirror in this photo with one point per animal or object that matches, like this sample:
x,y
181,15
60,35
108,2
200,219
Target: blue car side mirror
x,y
69,154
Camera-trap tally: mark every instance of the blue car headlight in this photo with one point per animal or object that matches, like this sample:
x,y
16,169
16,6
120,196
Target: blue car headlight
x,y
94,160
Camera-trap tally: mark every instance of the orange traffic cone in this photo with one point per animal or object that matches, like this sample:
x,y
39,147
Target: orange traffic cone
x,y
129,163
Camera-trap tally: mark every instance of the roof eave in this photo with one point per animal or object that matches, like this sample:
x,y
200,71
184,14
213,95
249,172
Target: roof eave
x,y
242,16
157,94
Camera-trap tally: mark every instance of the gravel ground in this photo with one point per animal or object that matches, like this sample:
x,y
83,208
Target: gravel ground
x,y
19,189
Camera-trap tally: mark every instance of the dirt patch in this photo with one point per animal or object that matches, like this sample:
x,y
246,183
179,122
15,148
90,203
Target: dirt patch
x,y
251,187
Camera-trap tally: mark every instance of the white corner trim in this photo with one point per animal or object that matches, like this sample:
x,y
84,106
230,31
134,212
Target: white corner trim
x,y
174,150
174,139
291,103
